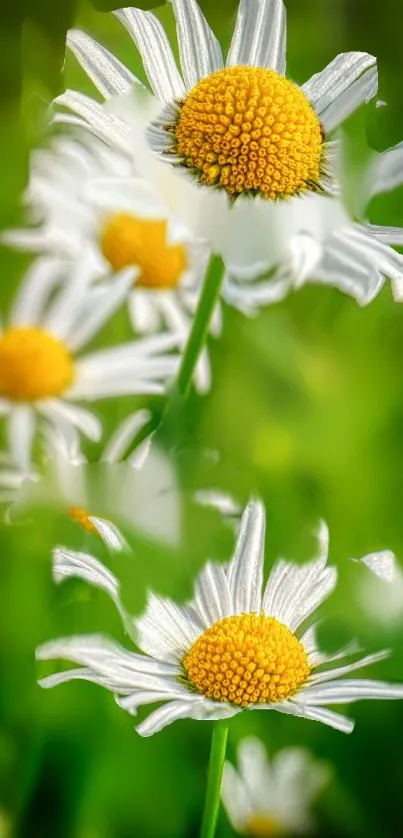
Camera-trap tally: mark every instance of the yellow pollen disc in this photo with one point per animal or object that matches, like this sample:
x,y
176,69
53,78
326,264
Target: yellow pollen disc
x,y
127,240
248,129
247,659
261,826
81,517
33,365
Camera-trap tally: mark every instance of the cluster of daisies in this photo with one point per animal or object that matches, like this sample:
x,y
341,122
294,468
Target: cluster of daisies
x,y
126,206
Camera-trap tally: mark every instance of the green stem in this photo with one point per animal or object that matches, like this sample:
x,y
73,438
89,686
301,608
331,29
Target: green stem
x,y
201,324
217,756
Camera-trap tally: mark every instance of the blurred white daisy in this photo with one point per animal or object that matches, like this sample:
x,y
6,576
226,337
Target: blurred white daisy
x,y
86,198
234,647
141,492
42,371
230,139
329,245
272,798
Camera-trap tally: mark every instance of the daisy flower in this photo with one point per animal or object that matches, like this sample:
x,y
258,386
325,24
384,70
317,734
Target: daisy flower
x,y
327,244
269,798
42,371
230,144
86,198
234,647
141,492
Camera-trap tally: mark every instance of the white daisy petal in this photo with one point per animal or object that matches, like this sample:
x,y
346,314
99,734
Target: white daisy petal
x,y
387,235
109,75
293,592
166,630
383,564
108,658
330,674
260,35
104,124
385,172
70,563
326,717
235,797
103,307
130,703
165,715
124,434
349,690
41,278
213,599
347,82
110,534
148,35
63,415
245,571
200,51
21,426
190,709
144,314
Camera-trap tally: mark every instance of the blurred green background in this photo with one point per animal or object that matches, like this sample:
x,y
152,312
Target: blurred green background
x,y
306,409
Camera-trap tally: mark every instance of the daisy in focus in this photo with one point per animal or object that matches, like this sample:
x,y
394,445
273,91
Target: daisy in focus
x,y
268,798
86,198
42,371
234,647
233,145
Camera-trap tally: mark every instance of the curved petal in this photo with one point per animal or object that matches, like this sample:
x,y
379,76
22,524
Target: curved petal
x,y
245,571
192,708
63,415
110,534
348,690
105,125
70,563
322,677
108,74
260,35
123,435
199,49
151,41
348,81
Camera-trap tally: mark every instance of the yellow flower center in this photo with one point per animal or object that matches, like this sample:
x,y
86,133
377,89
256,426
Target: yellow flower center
x,y
127,240
82,517
33,365
248,129
261,826
247,659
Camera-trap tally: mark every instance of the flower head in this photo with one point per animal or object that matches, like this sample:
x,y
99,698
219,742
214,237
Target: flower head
x,y
223,130
42,371
269,798
87,199
234,647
